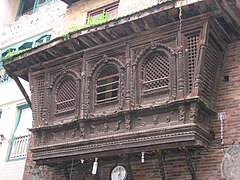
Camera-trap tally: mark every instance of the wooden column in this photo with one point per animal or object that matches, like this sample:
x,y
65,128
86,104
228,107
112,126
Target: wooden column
x,y
180,79
196,91
128,79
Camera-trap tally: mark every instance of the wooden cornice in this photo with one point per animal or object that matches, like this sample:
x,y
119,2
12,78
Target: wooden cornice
x,y
113,31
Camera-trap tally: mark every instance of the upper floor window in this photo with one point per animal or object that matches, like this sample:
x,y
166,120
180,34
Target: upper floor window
x,y
27,44
111,10
107,84
42,39
21,133
30,6
66,94
155,71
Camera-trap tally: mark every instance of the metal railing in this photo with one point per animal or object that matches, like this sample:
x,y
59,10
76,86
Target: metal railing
x,y
19,147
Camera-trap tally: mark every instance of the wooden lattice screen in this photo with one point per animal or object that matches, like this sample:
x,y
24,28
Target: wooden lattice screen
x,y
40,94
210,68
66,94
155,71
107,84
192,54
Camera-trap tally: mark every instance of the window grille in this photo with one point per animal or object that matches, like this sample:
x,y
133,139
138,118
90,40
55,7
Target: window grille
x,y
192,54
40,94
210,69
66,93
107,84
155,71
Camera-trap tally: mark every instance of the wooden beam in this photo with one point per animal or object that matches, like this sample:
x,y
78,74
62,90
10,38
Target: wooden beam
x,y
106,39
20,86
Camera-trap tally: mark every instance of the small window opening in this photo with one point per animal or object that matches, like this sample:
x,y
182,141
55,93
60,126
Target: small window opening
x,y
66,93
107,84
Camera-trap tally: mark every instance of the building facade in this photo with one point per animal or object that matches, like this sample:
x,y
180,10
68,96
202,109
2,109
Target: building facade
x,y
22,26
135,90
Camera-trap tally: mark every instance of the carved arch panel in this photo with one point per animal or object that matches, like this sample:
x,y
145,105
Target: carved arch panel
x,y
106,82
155,74
65,87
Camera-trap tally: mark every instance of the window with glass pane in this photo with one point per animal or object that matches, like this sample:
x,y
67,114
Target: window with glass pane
x,y
111,9
21,133
43,39
107,84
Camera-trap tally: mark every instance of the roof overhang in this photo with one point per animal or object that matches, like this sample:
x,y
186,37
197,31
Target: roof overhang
x,y
118,29
70,1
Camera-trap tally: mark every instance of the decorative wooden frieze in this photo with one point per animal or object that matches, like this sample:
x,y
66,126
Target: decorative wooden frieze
x,y
181,113
127,122
105,127
155,119
193,115
82,132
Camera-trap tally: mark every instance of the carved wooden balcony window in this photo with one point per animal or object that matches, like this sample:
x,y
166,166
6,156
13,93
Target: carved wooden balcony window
x,y
107,84
65,94
155,71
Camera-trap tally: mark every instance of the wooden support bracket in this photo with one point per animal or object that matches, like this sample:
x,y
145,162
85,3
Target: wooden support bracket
x,y
161,164
189,162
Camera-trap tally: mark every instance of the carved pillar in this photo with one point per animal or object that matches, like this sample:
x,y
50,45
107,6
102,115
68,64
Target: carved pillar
x,y
128,79
174,77
134,85
200,62
83,90
122,91
180,79
45,105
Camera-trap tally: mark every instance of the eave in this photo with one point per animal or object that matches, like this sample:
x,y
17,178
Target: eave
x,y
69,2
116,30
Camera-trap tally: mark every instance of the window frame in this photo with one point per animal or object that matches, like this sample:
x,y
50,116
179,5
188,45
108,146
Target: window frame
x,y
20,107
115,98
103,9
58,84
142,81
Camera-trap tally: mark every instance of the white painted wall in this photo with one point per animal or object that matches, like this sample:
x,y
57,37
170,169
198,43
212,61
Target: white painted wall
x,y
8,10
10,98
130,6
